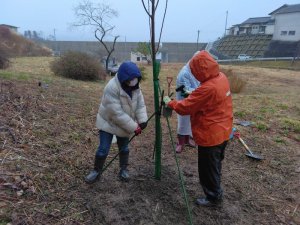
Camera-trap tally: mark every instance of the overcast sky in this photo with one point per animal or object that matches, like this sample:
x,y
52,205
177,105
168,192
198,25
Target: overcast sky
x,y
183,20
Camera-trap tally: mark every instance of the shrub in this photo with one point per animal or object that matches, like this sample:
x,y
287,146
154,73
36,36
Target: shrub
x,y
4,61
5,33
16,45
236,82
4,56
78,66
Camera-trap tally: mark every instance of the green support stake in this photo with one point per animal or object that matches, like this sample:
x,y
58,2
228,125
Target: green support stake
x,y
158,135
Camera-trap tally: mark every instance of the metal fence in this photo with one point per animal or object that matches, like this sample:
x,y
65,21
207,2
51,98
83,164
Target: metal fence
x,y
259,59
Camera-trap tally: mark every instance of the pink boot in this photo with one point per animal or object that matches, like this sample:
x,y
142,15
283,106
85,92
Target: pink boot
x,y
180,143
189,141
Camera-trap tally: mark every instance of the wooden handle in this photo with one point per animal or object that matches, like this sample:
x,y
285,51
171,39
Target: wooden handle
x,y
246,146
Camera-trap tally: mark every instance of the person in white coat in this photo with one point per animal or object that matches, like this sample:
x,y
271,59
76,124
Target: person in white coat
x,y
188,83
122,112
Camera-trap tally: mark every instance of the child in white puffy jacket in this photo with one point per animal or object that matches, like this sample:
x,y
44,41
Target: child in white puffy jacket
x,y
122,112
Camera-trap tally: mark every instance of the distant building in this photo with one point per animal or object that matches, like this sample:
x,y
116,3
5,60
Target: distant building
x,y
138,57
276,35
283,23
12,28
256,25
287,23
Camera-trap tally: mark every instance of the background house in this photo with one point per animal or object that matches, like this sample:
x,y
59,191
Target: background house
x,y
283,23
277,35
287,23
256,25
139,57
12,28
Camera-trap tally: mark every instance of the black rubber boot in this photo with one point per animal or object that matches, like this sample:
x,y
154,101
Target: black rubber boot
x,y
123,174
209,203
95,174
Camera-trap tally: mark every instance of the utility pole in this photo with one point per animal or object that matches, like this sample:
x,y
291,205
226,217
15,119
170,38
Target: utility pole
x,y
226,22
54,39
54,35
125,47
198,40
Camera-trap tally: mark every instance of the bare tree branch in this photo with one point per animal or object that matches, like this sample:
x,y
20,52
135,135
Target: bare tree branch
x,y
156,4
152,20
162,25
148,12
97,16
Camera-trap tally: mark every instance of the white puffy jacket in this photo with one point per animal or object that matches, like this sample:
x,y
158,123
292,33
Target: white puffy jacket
x,y
119,114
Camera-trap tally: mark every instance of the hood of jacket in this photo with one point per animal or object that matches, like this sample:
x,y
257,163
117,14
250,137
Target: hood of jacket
x,y
127,71
204,67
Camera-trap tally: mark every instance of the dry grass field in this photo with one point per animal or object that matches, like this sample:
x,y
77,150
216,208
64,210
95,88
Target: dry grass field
x,y
48,141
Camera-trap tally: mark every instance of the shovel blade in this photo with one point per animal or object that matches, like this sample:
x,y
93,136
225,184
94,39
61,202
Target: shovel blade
x,y
254,156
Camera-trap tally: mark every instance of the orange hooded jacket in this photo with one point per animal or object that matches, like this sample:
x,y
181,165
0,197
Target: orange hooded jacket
x,y
210,105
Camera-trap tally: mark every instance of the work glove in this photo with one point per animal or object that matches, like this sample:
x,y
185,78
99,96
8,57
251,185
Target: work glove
x,y
185,94
166,100
138,130
143,125
167,111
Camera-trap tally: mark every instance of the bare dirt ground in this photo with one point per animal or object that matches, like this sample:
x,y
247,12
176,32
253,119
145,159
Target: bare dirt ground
x,y
48,141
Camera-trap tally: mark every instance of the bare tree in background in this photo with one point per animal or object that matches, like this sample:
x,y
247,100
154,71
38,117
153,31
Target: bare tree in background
x,y
33,35
97,16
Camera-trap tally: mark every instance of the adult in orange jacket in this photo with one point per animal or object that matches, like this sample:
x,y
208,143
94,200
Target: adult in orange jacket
x,y
210,110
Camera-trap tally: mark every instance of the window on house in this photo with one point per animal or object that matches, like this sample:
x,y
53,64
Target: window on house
x,y
283,33
262,29
138,59
292,32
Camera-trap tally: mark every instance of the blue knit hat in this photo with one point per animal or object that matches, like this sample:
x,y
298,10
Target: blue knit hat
x,y
127,71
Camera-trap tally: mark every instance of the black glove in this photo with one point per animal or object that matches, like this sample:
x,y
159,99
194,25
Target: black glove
x,y
185,94
143,125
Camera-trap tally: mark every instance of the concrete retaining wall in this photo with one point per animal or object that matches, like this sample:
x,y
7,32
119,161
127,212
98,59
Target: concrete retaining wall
x,y
171,52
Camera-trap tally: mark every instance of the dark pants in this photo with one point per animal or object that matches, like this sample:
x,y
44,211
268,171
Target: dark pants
x,y
105,143
209,169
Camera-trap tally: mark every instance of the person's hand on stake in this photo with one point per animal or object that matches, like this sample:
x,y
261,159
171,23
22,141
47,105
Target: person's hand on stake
x,y
166,100
138,130
167,111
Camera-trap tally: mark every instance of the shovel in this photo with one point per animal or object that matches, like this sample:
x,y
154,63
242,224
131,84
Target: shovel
x,y
250,154
169,80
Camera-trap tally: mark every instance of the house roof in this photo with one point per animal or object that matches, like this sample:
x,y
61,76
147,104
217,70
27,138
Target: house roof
x,y
271,22
286,9
257,20
10,26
